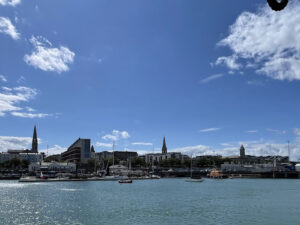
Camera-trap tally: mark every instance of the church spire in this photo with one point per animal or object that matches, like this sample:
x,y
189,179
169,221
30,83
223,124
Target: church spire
x,y
34,148
164,147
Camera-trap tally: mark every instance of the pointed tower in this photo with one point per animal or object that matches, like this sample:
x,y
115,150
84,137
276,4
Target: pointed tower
x,y
242,152
164,147
92,149
34,148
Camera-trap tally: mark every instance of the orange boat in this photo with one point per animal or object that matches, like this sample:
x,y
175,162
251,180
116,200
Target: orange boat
x,y
217,174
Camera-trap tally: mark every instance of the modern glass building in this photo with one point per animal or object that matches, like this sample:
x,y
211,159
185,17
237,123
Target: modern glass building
x,y
78,152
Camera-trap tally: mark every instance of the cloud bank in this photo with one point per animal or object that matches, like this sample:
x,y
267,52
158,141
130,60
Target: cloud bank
x,y
11,98
10,2
266,41
10,142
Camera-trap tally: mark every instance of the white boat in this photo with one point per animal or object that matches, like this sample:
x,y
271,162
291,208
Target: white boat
x,y
153,176
194,180
114,178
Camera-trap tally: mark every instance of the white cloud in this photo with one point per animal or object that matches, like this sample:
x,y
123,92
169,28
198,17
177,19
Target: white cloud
x,y
209,129
255,83
267,40
142,143
56,149
109,137
17,143
116,135
194,150
211,78
229,61
105,145
29,109
10,2
297,131
3,78
21,80
8,28
252,131
276,131
29,115
47,58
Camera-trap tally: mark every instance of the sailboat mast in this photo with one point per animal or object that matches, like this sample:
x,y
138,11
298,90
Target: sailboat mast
x,y
113,153
191,166
153,159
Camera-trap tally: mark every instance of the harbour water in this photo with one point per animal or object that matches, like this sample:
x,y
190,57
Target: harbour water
x,y
154,202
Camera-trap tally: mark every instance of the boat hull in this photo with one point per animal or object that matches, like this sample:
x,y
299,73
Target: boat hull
x,y
194,180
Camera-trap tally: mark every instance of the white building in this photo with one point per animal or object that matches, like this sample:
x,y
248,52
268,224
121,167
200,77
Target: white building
x,y
157,157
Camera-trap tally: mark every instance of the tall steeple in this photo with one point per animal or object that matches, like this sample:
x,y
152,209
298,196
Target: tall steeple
x,y
242,152
164,147
34,148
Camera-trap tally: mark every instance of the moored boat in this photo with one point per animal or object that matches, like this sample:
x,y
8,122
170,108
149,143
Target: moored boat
x,y
191,179
127,181
194,180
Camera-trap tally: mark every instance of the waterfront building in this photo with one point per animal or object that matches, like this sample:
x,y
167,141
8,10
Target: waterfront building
x,y
157,157
63,167
125,155
255,164
121,155
255,168
79,152
105,155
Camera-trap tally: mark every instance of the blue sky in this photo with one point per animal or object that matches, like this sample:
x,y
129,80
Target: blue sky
x,y
208,75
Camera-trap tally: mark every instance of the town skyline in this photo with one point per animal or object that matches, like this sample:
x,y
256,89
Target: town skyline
x,y
141,71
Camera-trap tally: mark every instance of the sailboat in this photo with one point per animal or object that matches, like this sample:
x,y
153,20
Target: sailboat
x,y
191,179
153,176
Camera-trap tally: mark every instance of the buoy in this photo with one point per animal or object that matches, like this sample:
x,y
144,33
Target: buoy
x,y
277,6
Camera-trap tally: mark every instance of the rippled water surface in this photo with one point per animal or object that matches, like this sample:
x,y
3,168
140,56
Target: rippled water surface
x,y
164,201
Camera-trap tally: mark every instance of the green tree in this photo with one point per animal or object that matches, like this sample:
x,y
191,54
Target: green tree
x,y
15,162
186,162
138,162
25,163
